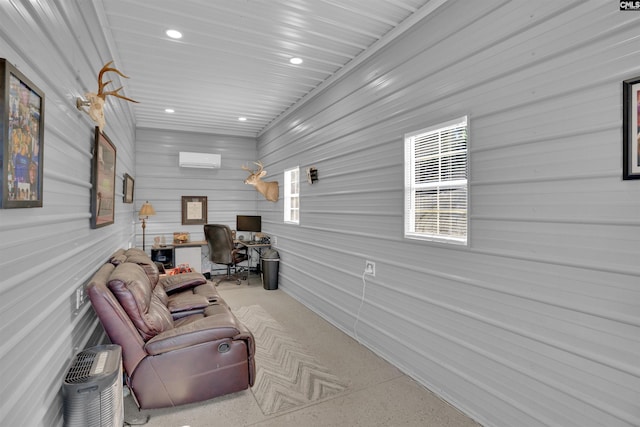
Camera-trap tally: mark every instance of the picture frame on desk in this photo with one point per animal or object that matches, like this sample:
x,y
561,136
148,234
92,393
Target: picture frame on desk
x,y
194,210
21,139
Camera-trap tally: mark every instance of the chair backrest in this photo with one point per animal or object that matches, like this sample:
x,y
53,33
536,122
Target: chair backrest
x,y
220,243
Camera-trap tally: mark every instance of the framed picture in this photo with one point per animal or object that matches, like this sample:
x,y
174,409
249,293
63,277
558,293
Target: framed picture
x,y
127,188
631,129
21,139
103,178
194,210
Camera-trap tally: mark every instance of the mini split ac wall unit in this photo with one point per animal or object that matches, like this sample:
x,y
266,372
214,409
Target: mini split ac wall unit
x,y
199,160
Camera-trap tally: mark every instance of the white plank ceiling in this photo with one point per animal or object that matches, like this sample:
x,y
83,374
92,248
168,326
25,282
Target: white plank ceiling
x,y
233,58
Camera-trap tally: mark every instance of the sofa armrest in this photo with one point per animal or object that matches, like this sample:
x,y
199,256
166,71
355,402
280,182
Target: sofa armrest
x,y
203,330
186,301
182,281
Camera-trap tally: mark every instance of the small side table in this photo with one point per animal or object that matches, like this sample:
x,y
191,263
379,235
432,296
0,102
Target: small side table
x,y
163,255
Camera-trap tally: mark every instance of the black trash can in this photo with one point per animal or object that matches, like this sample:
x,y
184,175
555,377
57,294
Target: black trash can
x,y
270,265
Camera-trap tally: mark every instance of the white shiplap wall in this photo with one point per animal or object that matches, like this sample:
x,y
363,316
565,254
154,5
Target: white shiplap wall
x,y
162,182
537,322
47,253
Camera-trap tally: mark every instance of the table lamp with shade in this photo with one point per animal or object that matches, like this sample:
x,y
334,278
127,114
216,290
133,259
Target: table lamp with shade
x,y
145,212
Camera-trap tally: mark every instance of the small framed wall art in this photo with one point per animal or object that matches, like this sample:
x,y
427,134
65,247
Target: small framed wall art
x,y
103,180
194,210
127,188
631,129
21,139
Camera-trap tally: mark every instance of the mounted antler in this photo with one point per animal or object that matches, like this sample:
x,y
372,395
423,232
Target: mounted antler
x,y
101,93
95,101
260,168
270,189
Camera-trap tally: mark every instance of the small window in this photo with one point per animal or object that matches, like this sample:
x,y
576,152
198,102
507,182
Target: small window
x,y
436,193
292,195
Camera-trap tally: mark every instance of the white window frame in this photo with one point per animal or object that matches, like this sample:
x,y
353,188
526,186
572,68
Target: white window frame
x,y
292,195
444,206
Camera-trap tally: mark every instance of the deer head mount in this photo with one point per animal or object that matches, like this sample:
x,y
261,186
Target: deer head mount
x,y
95,101
270,189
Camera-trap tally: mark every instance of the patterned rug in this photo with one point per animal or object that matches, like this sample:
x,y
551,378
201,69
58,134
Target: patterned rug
x,y
287,374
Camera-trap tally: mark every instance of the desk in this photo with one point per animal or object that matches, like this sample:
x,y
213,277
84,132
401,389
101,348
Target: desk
x,y
180,253
255,246
189,253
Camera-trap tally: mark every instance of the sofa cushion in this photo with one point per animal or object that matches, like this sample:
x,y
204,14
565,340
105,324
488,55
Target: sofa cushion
x,y
161,294
118,257
134,251
209,291
130,285
149,267
194,330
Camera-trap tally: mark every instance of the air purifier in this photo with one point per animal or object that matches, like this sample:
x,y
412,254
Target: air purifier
x,y
92,388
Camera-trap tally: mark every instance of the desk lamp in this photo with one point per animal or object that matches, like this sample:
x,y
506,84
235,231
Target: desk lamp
x,y
145,212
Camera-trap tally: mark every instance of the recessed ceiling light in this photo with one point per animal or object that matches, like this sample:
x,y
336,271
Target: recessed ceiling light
x,y
174,34
242,119
169,110
296,61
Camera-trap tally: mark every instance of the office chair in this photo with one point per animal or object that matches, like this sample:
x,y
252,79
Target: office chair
x,y
222,250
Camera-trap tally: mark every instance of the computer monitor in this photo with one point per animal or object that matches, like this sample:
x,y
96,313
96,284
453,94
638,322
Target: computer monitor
x,y
249,223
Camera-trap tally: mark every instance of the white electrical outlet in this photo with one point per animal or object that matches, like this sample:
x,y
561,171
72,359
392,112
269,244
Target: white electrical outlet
x,y
274,240
79,297
370,268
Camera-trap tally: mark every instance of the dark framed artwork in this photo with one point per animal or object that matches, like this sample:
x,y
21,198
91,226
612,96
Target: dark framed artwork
x,y
194,210
21,139
103,180
631,129
127,188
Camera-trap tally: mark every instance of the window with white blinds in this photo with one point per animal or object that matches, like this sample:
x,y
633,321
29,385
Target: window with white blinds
x,y
436,194
292,195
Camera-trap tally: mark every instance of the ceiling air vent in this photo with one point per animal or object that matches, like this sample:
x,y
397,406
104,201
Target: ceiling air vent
x,y
199,160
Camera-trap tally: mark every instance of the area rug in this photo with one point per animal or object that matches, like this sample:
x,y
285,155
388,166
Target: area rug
x,y
287,374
